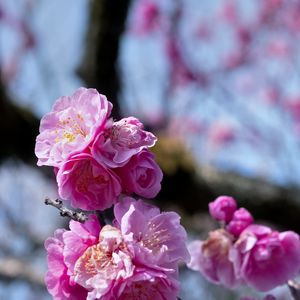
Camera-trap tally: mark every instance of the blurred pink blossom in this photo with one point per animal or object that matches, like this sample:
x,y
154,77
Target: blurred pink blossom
x,y
211,258
146,18
241,220
266,258
223,208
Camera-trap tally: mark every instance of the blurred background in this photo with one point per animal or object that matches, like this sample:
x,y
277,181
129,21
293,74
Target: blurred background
x,y
218,81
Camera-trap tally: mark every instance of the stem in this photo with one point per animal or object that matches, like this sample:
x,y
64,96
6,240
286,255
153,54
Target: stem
x,y
66,212
294,289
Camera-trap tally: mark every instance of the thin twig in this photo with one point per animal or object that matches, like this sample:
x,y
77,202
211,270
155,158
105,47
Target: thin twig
x,y
294,289
66,212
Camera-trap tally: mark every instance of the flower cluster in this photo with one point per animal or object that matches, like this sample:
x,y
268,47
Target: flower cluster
x,y
98,162
95,158
242,252
137,258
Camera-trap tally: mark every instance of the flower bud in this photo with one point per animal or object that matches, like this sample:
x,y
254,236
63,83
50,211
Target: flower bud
x,y
222,208
241,220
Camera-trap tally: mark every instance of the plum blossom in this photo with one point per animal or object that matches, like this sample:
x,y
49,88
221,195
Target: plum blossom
x,y
241,219
223,208
145,284
266,258
87,184
87,262
63,250
141,175
243,253
101,264
157,239
71,126
212,259
120,141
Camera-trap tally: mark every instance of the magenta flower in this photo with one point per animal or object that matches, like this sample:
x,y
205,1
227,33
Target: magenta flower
x,y
87,184
266,258
212,259
241,219
222,208
71,126
63,250
157,239
141,175
120,141
145,284
104,263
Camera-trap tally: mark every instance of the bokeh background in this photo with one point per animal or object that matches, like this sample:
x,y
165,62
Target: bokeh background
x,y
218,81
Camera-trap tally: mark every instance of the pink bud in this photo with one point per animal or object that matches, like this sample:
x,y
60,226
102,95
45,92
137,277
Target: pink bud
x,y
222,208
241,220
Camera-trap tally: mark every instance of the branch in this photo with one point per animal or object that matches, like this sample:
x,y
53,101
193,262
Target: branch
x,y
66,212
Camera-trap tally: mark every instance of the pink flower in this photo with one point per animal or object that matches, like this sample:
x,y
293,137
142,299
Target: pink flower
x,y
157,239
145,284
147,17
223,208
141,175
241,220
266,258
211,258
120,141
71,126
87,184
104,263
63,250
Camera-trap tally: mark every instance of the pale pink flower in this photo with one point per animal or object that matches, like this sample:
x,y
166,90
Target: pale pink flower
x,y
104,263
157,239
63,250
211,258
241,219
120,141
71,126
87,184
141,175
223,208
266,258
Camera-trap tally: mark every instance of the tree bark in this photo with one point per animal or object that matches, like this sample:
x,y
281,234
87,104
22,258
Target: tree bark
x,y
99,67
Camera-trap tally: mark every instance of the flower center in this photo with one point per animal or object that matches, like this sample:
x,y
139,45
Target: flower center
x,y
70,128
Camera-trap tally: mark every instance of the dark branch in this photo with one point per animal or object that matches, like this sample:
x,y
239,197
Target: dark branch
x,y
66,212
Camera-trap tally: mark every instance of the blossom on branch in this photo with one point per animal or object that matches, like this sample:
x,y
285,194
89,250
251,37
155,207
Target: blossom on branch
x,y
243,253
137,257
120,141
141,175
71,126
87,184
